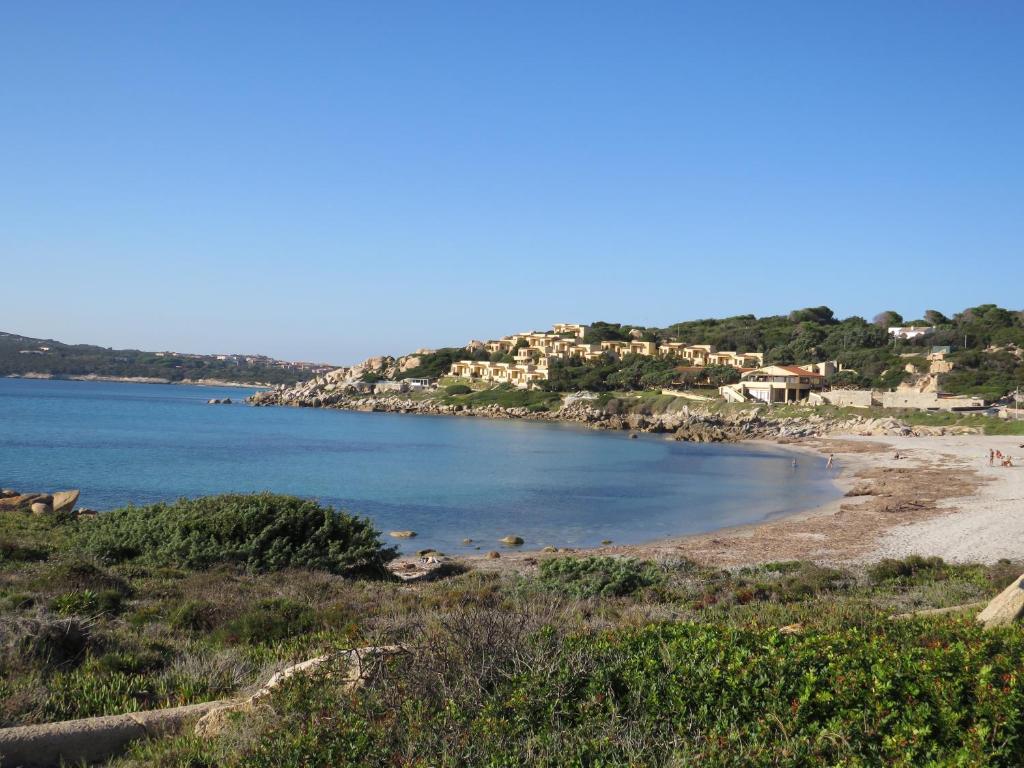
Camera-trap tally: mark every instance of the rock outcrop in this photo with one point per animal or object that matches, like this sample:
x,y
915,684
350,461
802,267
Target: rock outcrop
x,y
38,503
684,420
1006,607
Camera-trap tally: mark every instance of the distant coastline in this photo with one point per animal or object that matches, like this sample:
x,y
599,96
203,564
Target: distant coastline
x,y
139,380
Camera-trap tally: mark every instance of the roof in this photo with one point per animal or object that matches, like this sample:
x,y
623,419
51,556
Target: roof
x,y
801,371
790,369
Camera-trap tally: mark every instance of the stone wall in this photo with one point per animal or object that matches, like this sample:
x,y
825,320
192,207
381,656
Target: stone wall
x,y
855,398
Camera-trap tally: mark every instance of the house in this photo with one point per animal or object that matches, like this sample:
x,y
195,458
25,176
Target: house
x,y
577,330
909,332
774,384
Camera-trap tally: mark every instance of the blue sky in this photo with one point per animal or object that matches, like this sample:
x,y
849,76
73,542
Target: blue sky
x,y
332,180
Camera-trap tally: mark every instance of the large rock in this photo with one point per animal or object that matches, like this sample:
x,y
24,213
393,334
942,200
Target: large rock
x,y
64,501
24,501
1006,607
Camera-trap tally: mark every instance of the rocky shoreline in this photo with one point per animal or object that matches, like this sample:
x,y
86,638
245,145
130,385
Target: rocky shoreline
x,y
692,423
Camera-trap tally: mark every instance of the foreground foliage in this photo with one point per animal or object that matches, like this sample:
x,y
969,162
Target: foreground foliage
x,y
262,532
587,661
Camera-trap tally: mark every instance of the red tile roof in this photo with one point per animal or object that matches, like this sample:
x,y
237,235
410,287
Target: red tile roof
x,y
800,371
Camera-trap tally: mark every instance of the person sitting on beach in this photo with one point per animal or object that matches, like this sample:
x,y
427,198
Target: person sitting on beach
x,y
1008,461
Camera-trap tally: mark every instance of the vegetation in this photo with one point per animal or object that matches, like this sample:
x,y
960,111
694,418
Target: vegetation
x,y
987,349
595,660
506,397
20,355
260,532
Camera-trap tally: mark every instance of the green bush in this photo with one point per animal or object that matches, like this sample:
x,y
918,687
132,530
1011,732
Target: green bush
x,y
87,602
270,621
193,615
907,569
458,389
685,694
597,576
262,532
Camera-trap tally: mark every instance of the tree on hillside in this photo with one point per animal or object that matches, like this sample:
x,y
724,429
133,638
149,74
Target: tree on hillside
x,y
934,317
822,315
888,319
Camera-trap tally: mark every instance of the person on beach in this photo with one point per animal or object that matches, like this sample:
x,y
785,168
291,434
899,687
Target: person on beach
x,y
794,463
828,464
991,457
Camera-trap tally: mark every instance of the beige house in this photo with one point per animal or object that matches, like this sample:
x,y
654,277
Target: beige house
x,y
774,384
577,330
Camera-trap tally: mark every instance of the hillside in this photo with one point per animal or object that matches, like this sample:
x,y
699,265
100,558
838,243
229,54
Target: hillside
x,y
27,356
985,356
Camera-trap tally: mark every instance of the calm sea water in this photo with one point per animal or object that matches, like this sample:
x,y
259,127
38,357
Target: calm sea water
x,y
447,478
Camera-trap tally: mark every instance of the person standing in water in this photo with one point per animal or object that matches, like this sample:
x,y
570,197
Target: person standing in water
x,y
828,464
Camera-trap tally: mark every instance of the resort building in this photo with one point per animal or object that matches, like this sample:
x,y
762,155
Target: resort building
x,y
774,384
532,352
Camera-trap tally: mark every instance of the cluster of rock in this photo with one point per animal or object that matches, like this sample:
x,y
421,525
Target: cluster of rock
x,y
330,388
218,401
41,503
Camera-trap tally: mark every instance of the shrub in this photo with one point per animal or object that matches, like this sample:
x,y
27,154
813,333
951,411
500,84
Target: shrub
x,y
458,389
262,532
683,694
43,639
193,615
87,602
270,621
907,569
598,576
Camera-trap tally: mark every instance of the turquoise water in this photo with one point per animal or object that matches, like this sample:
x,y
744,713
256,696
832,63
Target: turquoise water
x,y
447,478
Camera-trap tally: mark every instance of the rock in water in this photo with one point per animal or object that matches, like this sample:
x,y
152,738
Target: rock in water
x,y
512,541
64,501
402,534
1006,607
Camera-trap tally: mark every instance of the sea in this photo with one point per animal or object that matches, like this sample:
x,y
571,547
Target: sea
x,y
447,478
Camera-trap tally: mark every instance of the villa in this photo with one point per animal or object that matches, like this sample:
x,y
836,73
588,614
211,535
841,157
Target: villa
x,y
533,350
774,384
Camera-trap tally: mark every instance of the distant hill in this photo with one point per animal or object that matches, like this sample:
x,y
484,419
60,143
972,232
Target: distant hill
x,y
27,356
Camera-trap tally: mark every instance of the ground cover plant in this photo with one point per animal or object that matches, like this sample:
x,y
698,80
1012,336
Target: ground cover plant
x,y
589,660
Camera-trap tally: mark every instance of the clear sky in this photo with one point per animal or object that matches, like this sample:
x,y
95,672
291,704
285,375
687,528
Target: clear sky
x,y
331,180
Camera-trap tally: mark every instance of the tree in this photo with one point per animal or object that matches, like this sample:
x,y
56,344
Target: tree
x,y
934,317
888,319
720,375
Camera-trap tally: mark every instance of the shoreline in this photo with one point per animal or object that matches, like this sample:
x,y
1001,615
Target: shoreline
x,y
137,380
941,499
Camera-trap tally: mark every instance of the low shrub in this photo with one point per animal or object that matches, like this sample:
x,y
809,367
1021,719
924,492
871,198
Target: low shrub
x,y
458,389
681,694
598,576
193,616
907,569
262,532
269,621
43,640
88,602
